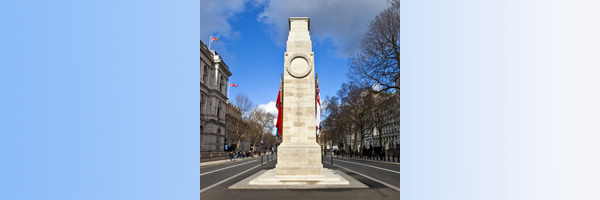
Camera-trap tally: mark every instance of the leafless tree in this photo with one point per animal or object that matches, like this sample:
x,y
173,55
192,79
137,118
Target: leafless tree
x,y
243,103
245,119
357,109
335,123
264,121
269,139
378,62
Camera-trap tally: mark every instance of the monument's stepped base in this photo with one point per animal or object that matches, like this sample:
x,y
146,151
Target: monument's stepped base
x,y
299,159
331,179
328,178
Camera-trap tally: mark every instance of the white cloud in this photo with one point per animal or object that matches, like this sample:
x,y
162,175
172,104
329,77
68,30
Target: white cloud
x,y
343,22
269,107
214,16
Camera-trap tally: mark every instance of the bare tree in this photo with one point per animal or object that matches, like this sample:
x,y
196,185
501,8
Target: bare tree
x,y
243,103
335,122
244,119
264,121
378,62
269,139
358,110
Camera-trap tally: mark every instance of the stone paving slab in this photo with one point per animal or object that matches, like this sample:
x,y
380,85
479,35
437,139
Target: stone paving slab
x,y
245,184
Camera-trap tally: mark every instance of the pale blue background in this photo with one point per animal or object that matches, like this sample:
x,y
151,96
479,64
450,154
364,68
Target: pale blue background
x,y
500,99
99,99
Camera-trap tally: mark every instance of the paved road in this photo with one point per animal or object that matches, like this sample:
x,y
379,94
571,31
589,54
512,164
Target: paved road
x,y
383,180
386,172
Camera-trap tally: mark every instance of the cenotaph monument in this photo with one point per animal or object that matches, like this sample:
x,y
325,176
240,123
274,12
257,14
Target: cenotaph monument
x,y
299,156
299,153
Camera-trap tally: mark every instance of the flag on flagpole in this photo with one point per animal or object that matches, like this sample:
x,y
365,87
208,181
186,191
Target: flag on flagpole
x,y
280,114
232,85
211,40
318,121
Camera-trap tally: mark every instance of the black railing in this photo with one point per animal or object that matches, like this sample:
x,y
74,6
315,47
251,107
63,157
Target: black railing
x,y
269,157
212,156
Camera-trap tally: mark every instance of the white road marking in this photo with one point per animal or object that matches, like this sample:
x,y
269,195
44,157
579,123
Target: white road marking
x,y
227,167
369,166
213,185
386,184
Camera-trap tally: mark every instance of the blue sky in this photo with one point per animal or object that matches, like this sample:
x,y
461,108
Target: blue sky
x,y
99,100
253,35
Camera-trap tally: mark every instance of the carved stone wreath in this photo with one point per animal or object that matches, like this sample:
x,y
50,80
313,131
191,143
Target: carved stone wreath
x,y
299,65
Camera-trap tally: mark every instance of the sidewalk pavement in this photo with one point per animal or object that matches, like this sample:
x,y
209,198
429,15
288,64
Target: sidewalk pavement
x,y
367,160
202,164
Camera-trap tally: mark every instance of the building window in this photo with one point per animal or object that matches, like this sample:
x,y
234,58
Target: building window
x,y
209,106
202,103
205,75
218,109
217,138
221,84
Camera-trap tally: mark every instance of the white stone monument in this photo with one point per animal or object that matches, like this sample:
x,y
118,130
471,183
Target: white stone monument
x,y
299,156
299,153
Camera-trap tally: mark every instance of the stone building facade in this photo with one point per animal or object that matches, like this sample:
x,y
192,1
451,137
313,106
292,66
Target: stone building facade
x,y
390,126
390,129
214,77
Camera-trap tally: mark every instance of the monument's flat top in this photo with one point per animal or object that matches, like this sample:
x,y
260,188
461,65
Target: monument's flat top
x,y
299,18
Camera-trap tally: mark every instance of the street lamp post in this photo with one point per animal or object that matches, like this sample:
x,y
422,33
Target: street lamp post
x,y
262,143
379,133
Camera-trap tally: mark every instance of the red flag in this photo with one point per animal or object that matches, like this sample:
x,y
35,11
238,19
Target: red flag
x,y
280,114
232,85
214,38
318,109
